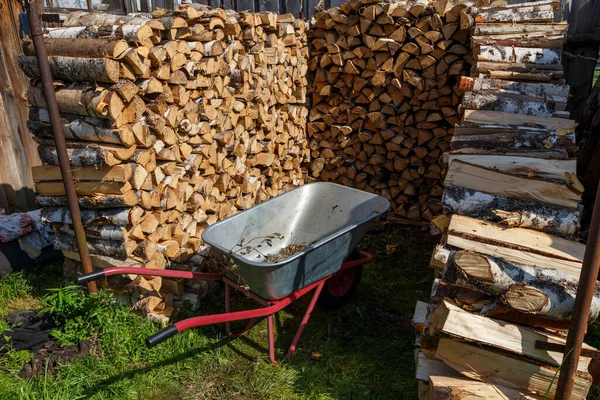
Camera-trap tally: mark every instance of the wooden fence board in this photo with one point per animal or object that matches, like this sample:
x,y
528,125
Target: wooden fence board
x,y
293,7
269,5
245,5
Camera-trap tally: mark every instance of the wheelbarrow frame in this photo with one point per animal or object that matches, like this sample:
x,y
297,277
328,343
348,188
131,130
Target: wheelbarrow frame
x,y
269,307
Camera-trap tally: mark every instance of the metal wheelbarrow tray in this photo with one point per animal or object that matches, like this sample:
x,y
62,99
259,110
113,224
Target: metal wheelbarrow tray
x,y
331,219
327,218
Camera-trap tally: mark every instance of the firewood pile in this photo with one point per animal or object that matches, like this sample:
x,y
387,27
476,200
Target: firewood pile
x,y
173,121
385,97
508,263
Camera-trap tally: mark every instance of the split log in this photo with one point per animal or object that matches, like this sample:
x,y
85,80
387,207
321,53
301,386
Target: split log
x,y
500,184
452,320
545,292
510,137
454,388
519,165
118,173
74,69
522,28
82,188
561,125
494,368
427,366
517,238
542,91
552,40
518,71
511,212
102,262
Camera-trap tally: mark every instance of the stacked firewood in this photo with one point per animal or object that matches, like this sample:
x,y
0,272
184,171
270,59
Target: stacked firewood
x,y
173,121
385,97
508,263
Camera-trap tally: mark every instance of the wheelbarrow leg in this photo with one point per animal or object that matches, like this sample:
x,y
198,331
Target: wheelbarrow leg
x,y
271,340
305,319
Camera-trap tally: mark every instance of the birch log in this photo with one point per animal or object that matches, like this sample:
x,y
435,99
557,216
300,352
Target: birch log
x,y
541,91
81,100
527,12
115,216
74,69
98,201
109,248
108,232
545,292
524,55
497,102
511,212
89,48
125,32
79,130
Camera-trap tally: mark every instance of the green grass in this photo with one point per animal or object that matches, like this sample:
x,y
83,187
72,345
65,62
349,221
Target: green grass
x,y
366,347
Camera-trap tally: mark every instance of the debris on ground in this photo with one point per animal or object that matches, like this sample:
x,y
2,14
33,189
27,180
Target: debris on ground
x,y
52,355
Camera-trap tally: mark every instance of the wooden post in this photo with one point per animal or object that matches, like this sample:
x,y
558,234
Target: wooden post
x,y
18,151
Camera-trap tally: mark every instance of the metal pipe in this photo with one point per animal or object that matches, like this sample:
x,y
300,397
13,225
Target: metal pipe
x,y
35,23
581,308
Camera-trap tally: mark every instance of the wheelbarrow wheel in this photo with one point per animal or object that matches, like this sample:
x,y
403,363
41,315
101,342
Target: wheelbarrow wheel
x,y
341,286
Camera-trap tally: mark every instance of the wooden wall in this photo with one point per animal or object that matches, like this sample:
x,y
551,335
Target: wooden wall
x,y
18,152
280,6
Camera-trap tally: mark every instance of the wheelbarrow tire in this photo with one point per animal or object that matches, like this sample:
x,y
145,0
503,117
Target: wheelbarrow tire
x,y
338,289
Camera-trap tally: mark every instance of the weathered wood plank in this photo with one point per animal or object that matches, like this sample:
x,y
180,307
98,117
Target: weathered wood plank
x,y
562,125
518,238
18,151
500,184
519,165
454,321
496,368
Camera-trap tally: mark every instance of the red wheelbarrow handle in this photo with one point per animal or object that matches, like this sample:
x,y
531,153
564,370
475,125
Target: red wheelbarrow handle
x,y
149,272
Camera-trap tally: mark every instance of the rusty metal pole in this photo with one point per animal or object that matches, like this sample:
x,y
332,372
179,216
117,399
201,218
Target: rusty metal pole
x,y
581,308
35,24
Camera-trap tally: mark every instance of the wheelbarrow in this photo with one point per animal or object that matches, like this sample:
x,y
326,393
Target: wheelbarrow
x,y
301,241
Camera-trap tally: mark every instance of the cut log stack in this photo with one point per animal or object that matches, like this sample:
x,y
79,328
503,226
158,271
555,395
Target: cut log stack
x,y
173,121
385,97
508,264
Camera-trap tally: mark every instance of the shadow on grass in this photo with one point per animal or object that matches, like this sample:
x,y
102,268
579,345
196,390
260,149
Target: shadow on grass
x,y
106,383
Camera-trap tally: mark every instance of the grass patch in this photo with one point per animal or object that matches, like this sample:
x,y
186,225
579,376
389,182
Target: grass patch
x,y
367,346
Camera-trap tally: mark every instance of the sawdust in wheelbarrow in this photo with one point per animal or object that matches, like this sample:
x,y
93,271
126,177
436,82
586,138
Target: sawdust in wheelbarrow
x,y
286,252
